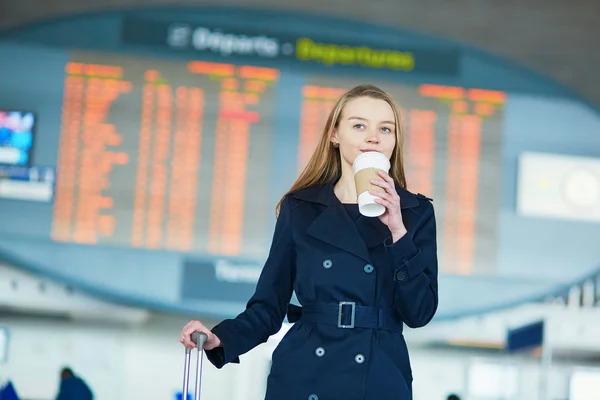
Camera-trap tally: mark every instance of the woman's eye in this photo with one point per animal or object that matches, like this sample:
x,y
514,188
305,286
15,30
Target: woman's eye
x,y
359,126
386,129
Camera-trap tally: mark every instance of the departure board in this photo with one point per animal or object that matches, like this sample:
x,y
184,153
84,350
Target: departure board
x,y
167,157
452,154
177,155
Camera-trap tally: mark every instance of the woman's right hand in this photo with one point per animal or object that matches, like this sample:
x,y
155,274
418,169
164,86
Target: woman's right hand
x,y
196,326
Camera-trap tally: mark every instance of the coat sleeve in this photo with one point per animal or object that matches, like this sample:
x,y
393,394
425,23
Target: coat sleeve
x,y
415,270
267,307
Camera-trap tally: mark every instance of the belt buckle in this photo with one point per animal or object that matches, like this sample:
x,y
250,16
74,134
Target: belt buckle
x,y
352,314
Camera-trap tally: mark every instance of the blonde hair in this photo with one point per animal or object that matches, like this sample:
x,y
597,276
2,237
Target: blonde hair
x,y
325,164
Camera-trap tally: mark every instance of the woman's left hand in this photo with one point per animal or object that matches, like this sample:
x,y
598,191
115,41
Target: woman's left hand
x,y
392,217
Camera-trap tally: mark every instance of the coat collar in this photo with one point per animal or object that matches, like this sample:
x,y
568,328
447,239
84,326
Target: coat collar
x,y
334,226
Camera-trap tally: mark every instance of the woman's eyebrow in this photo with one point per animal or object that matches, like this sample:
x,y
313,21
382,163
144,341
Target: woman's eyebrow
x,y
364,119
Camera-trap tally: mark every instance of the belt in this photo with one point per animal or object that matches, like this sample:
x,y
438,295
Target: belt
x,y
346,315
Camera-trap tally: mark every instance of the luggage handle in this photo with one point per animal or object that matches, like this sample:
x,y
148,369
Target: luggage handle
x,y
199,338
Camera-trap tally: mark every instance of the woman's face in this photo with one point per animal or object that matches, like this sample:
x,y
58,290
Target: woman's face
x,y
366,124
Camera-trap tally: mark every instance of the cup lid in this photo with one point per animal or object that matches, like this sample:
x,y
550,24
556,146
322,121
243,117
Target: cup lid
x,y
371,154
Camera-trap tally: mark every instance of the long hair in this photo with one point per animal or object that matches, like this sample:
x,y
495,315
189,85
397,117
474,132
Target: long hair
x,y
325,164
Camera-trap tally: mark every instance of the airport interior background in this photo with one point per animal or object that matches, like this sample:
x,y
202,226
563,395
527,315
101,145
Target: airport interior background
x,y
144,146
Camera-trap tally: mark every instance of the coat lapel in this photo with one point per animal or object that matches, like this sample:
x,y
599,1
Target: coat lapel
x,y
373,231
333,226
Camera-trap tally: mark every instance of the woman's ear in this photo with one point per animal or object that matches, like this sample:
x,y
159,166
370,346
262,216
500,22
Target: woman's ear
x,y
334,138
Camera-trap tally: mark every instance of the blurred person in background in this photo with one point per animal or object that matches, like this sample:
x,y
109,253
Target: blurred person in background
x,y
8,392
453,397
73,387
359,279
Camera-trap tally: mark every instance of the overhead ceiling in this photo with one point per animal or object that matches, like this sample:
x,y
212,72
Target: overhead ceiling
x,y
557,38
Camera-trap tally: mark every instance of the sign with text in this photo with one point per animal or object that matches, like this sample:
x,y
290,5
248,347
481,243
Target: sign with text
x,y
300,49
219,280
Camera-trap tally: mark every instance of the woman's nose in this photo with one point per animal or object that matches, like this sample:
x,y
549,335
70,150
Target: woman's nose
x,y
372,137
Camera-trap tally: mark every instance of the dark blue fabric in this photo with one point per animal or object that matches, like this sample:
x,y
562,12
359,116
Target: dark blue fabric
x,y
324,256
8,392
74,389
336,314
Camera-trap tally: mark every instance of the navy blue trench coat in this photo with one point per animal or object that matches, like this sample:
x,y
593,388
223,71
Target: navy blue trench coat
x,y
357,289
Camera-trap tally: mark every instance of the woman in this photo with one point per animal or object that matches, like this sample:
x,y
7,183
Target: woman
x,y
358,279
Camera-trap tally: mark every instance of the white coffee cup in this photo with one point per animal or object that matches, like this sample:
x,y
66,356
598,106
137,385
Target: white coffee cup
x,y
366,167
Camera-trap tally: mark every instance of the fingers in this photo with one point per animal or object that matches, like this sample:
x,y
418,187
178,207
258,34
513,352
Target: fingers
x,y
190,328
386,177
389,199
384,185
386,203
186,340
187,331
390,191
383,195
385,182
384,199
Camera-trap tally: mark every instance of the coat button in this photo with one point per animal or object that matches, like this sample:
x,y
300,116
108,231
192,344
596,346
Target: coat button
x,y
327,264
368,268
359,358
320,352
400,276
313,397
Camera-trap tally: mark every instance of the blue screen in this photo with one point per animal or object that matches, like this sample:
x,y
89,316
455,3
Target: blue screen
x,y
16,137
